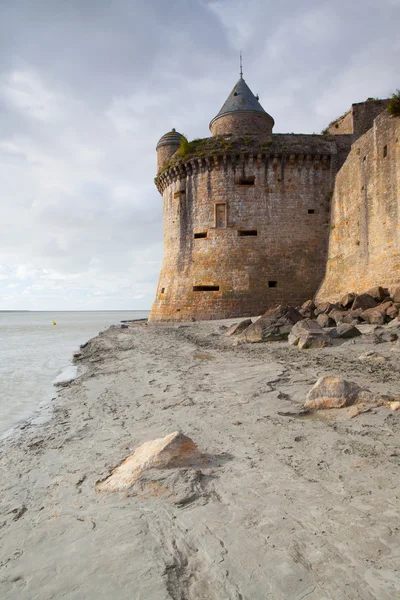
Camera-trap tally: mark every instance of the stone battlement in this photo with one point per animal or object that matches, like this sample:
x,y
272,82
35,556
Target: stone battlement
x,y
249,220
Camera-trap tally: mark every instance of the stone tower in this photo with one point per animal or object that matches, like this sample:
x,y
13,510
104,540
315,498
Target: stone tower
x,y
245,215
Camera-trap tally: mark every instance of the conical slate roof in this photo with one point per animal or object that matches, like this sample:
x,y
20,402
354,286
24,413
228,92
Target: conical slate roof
x,y
240,99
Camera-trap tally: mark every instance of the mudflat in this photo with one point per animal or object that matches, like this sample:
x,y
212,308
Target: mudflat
x,y
282,505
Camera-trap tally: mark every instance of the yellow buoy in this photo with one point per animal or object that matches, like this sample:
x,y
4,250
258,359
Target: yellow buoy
x,y
54,323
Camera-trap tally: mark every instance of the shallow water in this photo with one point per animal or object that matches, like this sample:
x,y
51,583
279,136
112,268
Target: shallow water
x,y
34,353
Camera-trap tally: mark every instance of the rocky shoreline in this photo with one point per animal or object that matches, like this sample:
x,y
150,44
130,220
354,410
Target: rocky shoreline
x,y
272,501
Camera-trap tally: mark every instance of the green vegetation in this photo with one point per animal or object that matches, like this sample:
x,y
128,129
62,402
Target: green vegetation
x,y
394,104
187,147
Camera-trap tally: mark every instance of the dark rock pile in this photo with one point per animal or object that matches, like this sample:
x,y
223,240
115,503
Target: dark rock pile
x,y
315,325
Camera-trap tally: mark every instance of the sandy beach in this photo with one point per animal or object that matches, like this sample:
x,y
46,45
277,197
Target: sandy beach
x,y
280,507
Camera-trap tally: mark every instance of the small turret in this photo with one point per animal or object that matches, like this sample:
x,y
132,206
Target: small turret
x,y
242,114
166,147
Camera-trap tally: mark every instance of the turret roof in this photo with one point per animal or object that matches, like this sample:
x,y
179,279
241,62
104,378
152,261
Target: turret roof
x,y
241,98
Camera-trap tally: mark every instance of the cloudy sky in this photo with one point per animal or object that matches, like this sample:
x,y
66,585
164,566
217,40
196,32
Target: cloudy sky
x,y
87,87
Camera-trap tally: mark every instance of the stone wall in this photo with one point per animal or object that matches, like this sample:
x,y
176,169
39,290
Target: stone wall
x,y
364,244
269,249
359,119
239,123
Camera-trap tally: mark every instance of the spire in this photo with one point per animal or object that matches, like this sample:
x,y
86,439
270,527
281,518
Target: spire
x,y
240,102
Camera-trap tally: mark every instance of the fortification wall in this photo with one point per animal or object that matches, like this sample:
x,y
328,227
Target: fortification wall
x,y
242,123
364,243
244,232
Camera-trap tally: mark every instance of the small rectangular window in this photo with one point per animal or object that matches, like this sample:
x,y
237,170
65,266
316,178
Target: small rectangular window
x,y
220,215
272,283
311,211
202,234
206,288
162,290
247,232
246,180
384,151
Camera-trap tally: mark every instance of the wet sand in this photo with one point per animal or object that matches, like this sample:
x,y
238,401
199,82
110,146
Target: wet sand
x,y
282,507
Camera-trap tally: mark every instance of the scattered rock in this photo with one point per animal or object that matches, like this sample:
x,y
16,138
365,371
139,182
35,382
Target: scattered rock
x,y
347,300
352,316
303,327
396,294
378,293
392,312
237,328
364,301
338,316
394,406
314,340
374,316
324,308
174,450
274,325
334,392
345,331
307,309
325,320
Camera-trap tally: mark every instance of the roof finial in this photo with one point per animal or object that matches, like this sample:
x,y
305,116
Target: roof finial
x,y
241,66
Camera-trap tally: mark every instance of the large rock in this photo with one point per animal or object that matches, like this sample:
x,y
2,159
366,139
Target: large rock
x,y
174,450
364,301
396,295
338,315
346,331
392,311
378,293
308,334
325,320
347,300
237,328
334,392
374,316
307,309
274,325
314,340
325,308
301,328
352,316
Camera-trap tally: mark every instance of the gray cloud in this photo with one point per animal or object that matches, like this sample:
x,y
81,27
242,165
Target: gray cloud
x,y
87,89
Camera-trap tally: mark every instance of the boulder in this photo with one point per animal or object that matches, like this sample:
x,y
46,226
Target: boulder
x,y
314,340
338,315
237,328
346,331
396,295
353,316
174,450
274,325
392,311
364,301
374,316
324,308
378,293
301,328
325,320
307,309
347,300
334,392
308,334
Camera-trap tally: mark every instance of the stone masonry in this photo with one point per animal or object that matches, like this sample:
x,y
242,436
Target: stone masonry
x,y
250,216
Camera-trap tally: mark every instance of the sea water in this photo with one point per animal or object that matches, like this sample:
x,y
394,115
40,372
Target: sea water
x,y
34,354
